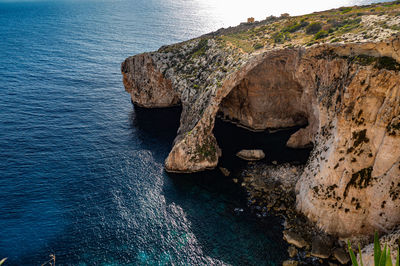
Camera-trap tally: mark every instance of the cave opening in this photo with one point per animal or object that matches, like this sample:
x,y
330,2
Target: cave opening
x,y
231,139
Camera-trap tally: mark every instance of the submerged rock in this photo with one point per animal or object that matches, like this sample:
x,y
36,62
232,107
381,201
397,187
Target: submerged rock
x,y
251,155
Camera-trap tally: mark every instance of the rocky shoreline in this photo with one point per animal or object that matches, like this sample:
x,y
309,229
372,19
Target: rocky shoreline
x,y
271,190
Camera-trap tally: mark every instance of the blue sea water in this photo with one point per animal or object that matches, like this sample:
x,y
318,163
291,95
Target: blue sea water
x,y
81,171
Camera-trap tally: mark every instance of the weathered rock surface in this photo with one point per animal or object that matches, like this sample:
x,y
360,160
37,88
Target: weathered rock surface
x,y
155,90
349,184
347,97
251,155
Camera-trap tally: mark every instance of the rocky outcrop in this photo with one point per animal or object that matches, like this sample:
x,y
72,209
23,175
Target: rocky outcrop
x,y
345,96
349,184
153,91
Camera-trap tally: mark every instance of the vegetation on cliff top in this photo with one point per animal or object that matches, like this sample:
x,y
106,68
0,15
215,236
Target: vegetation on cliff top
x,y
355,23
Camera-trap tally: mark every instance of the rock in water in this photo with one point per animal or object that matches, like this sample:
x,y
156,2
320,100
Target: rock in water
x,y
251,155
321,247
290,263
294,239
225,171
341,256
292,251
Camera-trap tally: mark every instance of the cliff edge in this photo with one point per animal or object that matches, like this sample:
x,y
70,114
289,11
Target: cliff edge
x,y
334,73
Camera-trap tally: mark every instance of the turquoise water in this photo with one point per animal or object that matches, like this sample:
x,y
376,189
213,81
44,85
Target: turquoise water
x,y
81,171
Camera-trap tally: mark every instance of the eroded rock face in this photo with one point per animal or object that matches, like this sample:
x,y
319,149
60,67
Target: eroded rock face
x,y
146,84
348,185
347,96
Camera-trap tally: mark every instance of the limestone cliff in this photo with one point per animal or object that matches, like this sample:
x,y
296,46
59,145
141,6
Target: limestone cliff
x,y
345,94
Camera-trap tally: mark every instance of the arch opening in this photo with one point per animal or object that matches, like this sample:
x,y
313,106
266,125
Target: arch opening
x,y
265,108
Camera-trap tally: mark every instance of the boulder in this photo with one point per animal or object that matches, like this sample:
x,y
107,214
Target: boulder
x,y
290,263
292,251
294,239
251,155
341,255
321,247
225,171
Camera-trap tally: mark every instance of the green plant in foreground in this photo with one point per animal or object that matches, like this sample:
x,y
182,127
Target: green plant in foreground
x,y
2,261
381,257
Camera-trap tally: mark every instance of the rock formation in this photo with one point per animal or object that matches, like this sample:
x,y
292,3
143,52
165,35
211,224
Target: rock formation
x,y
345,96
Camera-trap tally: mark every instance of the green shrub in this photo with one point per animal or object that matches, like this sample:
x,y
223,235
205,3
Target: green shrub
x,y
349,24
201,48
313,28
295,26
334,22
345,10
280,37
346,23
321,34
381,257
258,46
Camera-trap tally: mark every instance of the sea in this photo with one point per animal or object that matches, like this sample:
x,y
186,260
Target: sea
x,y
81,169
